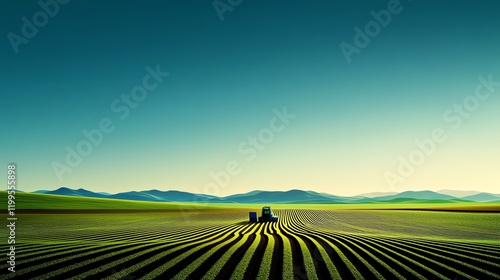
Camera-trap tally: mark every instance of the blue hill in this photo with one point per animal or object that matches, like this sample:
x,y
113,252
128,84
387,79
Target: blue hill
x,y
267,197
165,196
482,197
422,195
78,192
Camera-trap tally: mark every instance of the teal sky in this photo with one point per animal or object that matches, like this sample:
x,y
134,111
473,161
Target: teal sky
x,y
353,120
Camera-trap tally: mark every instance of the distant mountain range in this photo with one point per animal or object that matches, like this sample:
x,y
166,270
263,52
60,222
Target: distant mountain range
x,y
292,196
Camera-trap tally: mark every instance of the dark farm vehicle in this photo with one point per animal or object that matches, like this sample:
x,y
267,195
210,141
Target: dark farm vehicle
x,y
267,215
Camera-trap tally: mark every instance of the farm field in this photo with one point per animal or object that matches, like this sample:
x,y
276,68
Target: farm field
x,y
221,244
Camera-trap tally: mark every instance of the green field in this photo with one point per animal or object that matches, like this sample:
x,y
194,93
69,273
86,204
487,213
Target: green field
x,y
30,201
184,241
25,201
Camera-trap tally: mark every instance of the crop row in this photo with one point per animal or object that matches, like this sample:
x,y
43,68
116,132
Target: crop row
x,y
302,245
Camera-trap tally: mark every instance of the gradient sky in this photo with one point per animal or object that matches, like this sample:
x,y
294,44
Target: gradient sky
x,y
353,120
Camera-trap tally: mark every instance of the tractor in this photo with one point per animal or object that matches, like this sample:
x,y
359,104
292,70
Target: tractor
x,y
267,216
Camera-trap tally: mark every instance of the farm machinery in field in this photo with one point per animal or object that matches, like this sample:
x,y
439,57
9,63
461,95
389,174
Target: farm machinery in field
x,y
267,216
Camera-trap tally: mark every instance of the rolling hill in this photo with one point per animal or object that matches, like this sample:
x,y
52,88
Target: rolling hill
x,y
482,197
71,192
458,194
165,196
268,197
418,195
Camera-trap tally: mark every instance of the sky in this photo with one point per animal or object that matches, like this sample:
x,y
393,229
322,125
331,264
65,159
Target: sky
x,y
224,97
